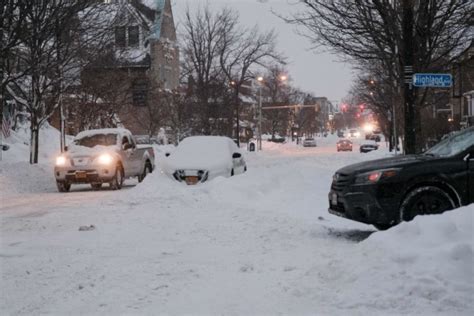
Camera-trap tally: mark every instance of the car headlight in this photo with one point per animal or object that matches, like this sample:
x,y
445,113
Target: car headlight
x,y
375,176
61,161
105,159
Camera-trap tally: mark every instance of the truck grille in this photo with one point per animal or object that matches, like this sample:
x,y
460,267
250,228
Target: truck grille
x,y
340,181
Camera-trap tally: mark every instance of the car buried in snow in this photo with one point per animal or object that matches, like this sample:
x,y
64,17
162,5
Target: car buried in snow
x,y
201,158
103,156
385,192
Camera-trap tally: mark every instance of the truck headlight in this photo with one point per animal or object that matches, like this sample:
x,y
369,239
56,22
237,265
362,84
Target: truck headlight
x,y
375,176
105,159
61,161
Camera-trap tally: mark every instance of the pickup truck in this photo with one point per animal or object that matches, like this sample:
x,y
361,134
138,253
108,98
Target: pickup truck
x,y
103,156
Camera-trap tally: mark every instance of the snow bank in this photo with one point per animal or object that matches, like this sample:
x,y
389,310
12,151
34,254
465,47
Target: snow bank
x,y
426,262
17,175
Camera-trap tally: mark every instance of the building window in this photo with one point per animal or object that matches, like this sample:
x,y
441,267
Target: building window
x,y
139,92
120,36
133,36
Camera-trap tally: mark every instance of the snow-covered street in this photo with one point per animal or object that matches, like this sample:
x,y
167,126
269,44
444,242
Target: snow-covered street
x,y
261,243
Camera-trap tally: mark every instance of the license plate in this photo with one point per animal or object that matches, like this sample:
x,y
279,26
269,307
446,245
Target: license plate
x,y
81,175
334,199
192,180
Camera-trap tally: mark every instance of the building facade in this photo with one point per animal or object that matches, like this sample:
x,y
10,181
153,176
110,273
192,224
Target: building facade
x,y
124,84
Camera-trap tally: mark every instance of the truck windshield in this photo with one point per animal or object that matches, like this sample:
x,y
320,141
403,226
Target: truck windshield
x,y
97,140
453,145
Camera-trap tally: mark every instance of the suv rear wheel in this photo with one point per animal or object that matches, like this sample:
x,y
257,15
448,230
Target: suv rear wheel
x,y
426,200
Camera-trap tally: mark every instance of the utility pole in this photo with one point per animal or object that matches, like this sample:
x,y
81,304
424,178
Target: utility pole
x,y
409,97
259,141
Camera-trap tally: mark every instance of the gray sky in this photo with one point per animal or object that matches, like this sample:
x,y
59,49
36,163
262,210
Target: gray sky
x,y
311,71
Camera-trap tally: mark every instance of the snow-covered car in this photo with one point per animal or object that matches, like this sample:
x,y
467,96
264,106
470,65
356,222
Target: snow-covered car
x,y
201,158
103,156
368,147
344,145
309,142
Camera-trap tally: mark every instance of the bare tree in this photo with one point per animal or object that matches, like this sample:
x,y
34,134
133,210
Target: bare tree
x,y
277,92
201,37
97,102
404,36
50,55
240,51
12,30
220,57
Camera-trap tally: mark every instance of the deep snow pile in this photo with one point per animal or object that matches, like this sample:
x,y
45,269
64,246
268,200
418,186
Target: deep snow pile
x,y
16,174
258,243
430,259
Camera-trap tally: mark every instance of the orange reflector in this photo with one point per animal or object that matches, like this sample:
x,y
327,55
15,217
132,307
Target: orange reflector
x,y
390,173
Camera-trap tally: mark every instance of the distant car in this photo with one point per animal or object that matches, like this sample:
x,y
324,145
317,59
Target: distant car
x,y
373,136
340,134
386,191
354,133
365,148
277,139
201,158
344,145
377,130
309,142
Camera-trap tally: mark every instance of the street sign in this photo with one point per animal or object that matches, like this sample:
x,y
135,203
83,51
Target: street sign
x,y
433,80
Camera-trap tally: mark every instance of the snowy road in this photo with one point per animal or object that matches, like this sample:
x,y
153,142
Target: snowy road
x,y
260,243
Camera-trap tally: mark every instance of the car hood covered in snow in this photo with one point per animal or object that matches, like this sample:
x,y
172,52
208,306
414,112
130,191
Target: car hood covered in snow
x,y
208,153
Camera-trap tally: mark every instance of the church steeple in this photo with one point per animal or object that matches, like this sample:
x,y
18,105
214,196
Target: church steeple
x,y
163,27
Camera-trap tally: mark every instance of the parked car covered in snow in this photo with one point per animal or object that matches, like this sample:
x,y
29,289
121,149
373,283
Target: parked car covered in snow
x,y
386,191
309,142
201,158
103,156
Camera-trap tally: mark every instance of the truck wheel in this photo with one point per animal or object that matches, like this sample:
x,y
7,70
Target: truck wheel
x,y
146,171
425,200
117,181
63,186
96,186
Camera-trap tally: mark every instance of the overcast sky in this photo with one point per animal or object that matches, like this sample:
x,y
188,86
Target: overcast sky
x,y
311,71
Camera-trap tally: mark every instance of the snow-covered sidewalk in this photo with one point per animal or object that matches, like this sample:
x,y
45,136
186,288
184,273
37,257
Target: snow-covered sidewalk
x,y
257,244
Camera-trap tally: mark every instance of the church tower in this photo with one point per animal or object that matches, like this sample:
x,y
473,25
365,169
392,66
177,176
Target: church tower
x,y
164,48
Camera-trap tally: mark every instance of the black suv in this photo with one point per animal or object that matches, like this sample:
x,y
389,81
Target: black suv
x,y
387,191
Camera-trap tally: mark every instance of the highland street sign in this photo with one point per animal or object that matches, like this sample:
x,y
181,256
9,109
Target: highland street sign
x,y
432,80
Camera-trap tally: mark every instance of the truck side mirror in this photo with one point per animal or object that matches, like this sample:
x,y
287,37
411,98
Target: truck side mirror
x,y
127,146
